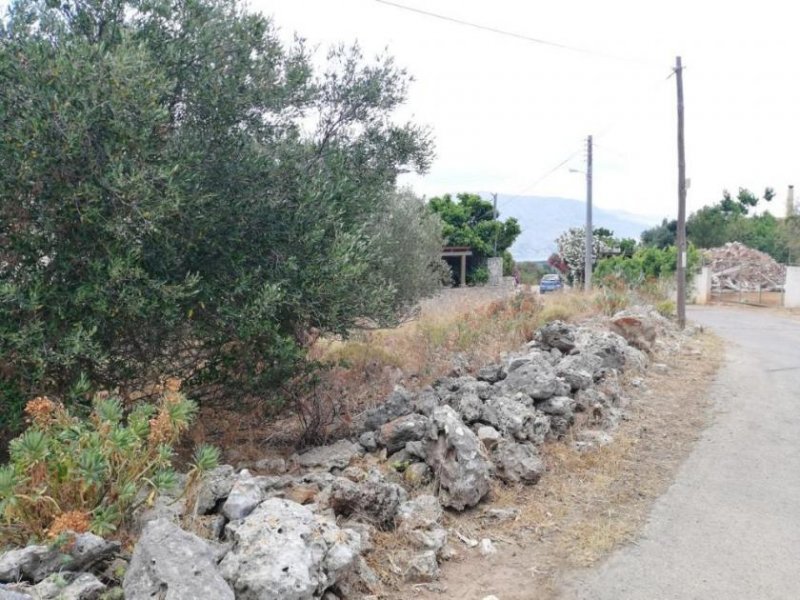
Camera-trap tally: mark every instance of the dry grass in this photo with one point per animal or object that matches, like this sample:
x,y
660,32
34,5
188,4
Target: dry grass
x,y
471,327
588,503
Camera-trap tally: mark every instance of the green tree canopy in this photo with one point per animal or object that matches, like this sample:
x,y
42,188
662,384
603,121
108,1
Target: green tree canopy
x,y
178,186
469,220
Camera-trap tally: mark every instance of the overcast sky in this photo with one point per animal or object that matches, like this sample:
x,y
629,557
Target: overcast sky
x,y
505,111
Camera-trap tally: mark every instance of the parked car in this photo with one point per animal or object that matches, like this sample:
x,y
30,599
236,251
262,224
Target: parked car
x,y
551,283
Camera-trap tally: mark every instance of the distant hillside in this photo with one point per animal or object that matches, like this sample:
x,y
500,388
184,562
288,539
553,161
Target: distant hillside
x,y
544,219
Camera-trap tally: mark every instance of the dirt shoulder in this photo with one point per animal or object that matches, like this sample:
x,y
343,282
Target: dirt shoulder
x,y
590,503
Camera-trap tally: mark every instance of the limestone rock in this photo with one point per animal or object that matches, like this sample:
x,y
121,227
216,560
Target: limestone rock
x,y
513,418
368,441
397,432
518,462
173,564
489,436
398,404
374,499
34,563
558,335
283,551
422,568
492,373
637,331
244,496
333,456
458,460
216,486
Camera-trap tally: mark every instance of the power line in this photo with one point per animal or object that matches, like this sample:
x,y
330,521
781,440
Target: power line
x,y
550,172
511,34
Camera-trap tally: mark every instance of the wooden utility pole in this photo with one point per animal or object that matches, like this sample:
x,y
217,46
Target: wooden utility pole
x,y
496,232
587,268
681,238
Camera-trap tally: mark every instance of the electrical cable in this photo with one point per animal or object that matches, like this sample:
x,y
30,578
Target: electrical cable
x,y
519,36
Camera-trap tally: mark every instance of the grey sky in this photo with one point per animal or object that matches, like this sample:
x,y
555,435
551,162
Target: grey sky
x,y
506,111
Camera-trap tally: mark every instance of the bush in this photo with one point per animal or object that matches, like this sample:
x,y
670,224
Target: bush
x,y
613,295
479,276
87,474
163,214
666,308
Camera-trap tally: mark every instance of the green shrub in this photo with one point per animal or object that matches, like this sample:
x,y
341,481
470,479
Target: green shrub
x,y
68,473
666,308
156,205
479,276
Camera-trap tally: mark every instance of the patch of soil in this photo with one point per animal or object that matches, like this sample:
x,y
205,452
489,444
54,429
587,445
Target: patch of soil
x,y
589,503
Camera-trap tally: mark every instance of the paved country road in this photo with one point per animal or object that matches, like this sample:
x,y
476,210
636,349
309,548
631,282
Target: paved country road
x,y
729,527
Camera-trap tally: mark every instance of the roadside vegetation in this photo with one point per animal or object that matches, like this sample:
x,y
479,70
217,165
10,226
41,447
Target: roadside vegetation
x,y
184,195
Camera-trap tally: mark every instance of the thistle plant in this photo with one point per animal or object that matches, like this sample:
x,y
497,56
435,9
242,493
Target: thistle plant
x,y
84,474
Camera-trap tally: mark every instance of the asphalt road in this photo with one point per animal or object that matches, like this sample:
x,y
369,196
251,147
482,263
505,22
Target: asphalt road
x,y
729,527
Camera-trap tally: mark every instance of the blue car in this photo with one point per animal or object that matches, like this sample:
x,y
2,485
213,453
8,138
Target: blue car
x,y
550,283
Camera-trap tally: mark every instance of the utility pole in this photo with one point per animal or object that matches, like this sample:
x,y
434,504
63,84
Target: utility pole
x,y
496,232
587,269
681,238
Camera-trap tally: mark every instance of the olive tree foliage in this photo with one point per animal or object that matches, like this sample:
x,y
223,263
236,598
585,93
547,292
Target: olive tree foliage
x,y
180,190
407,241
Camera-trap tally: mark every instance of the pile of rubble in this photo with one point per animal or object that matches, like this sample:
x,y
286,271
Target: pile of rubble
x,y
301,528
735,266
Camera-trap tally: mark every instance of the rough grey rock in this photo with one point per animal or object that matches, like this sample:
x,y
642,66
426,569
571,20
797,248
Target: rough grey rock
x,y
590,400
7,593
559,406
163,507
244,496
215,487
470,407
486,547
426,401
416,449
558,335
373,499
173,564
518,462
283,551
419,521
422,512
396,405
35,562
68,586
360,581
458,460
513,418
536,380
492,373
636,361
395,433
333,456
368,441
417,474
489,436
274,465
639,330
422,568
608,346
580,370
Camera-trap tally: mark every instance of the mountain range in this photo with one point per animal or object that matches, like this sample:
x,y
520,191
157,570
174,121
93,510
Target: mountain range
x,y
543,219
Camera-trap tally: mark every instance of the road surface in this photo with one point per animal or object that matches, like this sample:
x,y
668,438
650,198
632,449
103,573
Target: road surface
x,y
729,527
